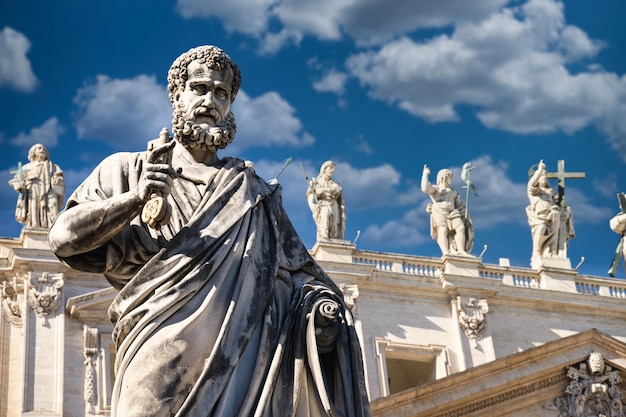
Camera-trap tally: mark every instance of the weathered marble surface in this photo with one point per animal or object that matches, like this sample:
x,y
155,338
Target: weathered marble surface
x,y
221,311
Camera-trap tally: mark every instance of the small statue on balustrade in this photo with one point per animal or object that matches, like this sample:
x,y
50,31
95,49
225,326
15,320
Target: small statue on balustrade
x,y
450,223
41,189
550,219
618,225
325,198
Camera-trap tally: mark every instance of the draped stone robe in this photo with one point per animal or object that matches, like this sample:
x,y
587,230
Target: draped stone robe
x,y
213,314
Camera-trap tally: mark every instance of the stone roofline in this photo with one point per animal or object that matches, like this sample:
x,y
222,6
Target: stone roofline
x,y
554,275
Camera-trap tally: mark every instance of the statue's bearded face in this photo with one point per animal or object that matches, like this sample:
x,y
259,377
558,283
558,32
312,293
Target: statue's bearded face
x,y
202,117
38,153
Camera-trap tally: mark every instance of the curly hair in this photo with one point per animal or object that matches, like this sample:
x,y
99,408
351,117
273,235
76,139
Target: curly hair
x,y
211,55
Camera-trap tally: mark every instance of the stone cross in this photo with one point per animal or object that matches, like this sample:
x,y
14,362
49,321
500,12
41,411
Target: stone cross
x,y
561,175
19,172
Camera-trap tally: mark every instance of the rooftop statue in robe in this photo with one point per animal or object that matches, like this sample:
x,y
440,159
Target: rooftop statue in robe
x,y
325,199
41,189
221,310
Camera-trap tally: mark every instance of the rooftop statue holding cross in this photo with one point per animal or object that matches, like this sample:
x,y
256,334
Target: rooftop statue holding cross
x,y
41,189
549,217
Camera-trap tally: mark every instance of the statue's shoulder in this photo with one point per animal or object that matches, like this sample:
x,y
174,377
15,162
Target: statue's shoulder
x,y
122,160
238,164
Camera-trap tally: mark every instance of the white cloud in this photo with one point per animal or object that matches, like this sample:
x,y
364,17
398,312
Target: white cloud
x,y
244,16
47,134
332,81
15,68
367,188
612,122
378,21
318,18
126,113
510,63
511,66
273,42
411,230
267,120
575,44
366,21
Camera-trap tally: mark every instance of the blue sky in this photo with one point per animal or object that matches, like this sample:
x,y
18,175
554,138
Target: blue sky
x,y
381,87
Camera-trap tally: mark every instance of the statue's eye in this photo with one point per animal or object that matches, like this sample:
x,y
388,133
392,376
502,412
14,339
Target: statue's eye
x,y
200,89
220,93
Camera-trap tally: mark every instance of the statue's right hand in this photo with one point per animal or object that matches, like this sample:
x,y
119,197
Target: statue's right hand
x,y
426,170
157,177
541,166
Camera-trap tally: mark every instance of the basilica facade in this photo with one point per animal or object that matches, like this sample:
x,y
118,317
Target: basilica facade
x,y
446,336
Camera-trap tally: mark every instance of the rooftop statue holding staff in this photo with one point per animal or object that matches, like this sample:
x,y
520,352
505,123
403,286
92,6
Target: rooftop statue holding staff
x,y
221,310
450,224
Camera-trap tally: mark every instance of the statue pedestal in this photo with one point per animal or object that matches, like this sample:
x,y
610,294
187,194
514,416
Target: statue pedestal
x,y
551,262
335,250
35,238
555,273
461,265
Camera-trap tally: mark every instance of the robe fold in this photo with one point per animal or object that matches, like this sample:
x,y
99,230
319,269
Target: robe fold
x,y
215,312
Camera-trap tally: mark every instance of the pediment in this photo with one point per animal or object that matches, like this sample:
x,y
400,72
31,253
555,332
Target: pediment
x,y
527,383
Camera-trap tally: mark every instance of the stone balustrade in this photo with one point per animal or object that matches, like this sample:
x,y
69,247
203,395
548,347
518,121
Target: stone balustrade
x,y
514,276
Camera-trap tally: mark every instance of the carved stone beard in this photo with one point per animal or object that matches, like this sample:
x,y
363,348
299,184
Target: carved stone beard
x,y
201,135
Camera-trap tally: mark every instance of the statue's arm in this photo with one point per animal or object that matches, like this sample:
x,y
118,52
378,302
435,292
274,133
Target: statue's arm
x,y
87,226
533,182
311,198
427,187
618,223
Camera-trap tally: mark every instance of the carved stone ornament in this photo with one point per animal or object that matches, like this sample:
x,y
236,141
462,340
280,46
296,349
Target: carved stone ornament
x,y
90,351
12,299
472,316
593,391
44,294
350,294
